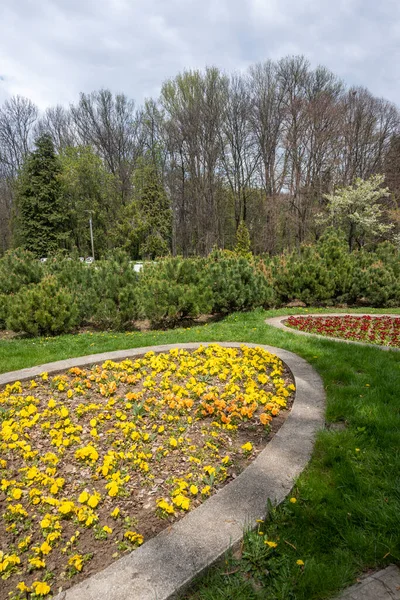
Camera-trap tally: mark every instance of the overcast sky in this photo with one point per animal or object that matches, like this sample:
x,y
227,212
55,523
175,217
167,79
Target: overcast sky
x,y
50,50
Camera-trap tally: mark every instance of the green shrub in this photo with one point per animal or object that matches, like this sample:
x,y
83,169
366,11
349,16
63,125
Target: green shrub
x,y
236,282
17,269
116,293
374,283
319,274
104,292
172,289
333,251
3,310
63,293
389,254
79,279
42,309
304,277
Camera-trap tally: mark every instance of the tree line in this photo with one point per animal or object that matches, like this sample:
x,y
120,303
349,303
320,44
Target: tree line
x,y
179,174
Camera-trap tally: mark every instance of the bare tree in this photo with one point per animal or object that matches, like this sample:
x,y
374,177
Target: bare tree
x,y
112,126
57,121
240,151
193,104
17,118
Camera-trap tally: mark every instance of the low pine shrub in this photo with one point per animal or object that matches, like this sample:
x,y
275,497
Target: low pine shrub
x,y
303,276
173,289
237,283
79,279
42,309
374,283
317,274
115,285
17,269
3,310
104,292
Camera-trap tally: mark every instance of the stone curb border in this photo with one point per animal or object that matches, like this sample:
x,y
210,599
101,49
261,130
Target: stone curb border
x,y
167,563
381,585
278,322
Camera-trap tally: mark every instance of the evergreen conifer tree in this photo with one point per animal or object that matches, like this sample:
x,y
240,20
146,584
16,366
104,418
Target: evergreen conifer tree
x,y
156,216
41,223
145,228
242,240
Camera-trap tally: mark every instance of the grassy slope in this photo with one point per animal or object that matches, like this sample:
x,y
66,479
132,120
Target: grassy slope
x,y
346,518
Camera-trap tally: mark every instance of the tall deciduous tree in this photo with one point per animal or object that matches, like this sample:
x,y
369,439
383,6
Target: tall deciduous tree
x,y
88,188
112,126
193,106
262,146
42,221
57,122
17,119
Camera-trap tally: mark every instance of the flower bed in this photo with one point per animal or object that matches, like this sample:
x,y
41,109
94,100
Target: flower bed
x,y
95,461
384,331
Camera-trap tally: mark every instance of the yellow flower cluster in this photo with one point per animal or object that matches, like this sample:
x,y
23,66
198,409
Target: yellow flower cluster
x,y
79,450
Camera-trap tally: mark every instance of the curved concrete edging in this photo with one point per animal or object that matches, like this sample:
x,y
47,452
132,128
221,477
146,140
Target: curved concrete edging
x,y
167,563
278,322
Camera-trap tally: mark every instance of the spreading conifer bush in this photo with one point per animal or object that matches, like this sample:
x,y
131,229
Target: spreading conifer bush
x,y
3,310
104,292
317,274
79,279
115,286
45,308
303,276
63,293
18,268
173,289
374,283
236,283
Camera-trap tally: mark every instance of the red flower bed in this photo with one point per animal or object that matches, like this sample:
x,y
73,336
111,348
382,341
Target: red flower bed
x,y
384,331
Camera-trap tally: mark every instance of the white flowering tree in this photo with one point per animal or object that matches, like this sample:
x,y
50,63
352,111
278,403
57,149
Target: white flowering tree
x,y
357,210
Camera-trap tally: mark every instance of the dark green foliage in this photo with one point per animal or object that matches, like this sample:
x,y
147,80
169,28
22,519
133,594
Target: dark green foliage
x,y
42,309
115,284
18,268
42,219
317,274
80,280
110,294
327,273
156,216
3,310
236,283
333,252
375,284
103,292
389,254
304,277
145,227
172,289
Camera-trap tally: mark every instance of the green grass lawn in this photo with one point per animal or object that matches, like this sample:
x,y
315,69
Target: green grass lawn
x,y
346,517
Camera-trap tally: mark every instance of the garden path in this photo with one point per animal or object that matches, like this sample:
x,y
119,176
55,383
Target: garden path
x,y
383,585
